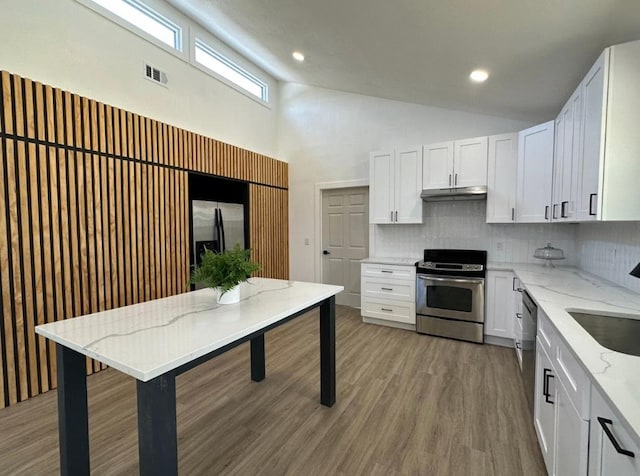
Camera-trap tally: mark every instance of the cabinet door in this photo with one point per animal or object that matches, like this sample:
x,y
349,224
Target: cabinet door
x,y
572,437
470,162
535,168
408,185
594,87
558,159
437,166
500,304
576,152
544,410
381,185
604,460
502,174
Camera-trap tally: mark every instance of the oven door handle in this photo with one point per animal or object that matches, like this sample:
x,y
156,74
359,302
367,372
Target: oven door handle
x,y
451,279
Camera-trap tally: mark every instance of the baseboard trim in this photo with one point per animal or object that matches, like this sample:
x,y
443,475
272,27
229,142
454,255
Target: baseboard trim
x,y
383,322
501,341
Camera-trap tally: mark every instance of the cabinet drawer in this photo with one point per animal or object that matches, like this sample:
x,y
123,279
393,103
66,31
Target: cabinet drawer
x,y
389,271
399,290
574,378
399,311
547,335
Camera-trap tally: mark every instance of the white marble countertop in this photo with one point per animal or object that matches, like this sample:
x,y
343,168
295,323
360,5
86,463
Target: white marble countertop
x,y
558,290
390,260
148,339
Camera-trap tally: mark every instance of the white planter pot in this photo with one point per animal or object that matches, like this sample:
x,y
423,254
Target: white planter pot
x,y
230,297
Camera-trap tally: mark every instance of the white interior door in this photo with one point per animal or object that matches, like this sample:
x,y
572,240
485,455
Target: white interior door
x,y
345,240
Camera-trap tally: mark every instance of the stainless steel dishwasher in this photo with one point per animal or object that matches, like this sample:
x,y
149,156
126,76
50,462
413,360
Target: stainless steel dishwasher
x,y
529,329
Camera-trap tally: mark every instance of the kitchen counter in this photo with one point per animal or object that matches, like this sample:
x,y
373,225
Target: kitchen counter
x,y
390,261
557,290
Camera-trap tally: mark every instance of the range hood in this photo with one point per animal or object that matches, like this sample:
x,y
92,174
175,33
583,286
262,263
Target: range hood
x,y
460,193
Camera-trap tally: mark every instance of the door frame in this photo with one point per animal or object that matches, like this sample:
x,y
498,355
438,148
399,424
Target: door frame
x,y
319,188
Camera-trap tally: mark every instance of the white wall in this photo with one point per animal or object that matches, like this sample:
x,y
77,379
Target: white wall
x,y
67,45
327,135
610,250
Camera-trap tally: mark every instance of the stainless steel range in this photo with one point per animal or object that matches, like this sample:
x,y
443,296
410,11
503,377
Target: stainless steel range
x,y
450,294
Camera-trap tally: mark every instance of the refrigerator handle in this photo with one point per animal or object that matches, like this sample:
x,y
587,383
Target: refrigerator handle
x,y
216,230
223,245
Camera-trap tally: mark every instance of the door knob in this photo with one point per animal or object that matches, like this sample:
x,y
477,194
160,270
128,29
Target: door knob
x,y
325,252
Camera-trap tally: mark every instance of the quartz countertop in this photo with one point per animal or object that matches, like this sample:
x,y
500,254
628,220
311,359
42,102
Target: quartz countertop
x,y
390,261
558,290
148,339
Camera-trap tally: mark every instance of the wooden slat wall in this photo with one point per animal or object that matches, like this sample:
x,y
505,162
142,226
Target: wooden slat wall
x,y
94,214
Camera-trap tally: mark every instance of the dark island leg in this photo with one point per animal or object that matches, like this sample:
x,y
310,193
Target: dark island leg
x,y
73,422
328,352
157,435
257,358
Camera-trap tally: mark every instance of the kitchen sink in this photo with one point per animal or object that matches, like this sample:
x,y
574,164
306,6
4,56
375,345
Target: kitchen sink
x,y
621,334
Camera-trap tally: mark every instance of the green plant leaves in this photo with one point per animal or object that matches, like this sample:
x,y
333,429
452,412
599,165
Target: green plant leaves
x,y
224,270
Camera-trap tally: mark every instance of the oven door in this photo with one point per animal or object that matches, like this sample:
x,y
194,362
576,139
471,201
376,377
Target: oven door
x,y
450,297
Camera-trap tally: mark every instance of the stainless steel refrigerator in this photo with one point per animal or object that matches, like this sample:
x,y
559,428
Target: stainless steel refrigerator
x,y
218,226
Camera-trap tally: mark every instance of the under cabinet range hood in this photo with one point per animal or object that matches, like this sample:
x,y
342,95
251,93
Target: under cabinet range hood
x,y
460,193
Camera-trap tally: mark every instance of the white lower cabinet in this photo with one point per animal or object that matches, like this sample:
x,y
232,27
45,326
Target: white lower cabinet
x,y
561,408
543,410
500,309
388,294
572,436
612,452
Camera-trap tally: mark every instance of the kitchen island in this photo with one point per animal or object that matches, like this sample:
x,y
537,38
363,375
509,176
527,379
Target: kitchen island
x,y
160,339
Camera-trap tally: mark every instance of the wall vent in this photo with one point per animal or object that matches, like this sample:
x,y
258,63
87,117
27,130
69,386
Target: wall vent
x,y
155,75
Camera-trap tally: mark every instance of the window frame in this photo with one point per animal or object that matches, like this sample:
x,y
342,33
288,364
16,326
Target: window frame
x,y
197,42
157,13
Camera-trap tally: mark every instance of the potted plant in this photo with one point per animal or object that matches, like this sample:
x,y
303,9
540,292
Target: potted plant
x,y
224,272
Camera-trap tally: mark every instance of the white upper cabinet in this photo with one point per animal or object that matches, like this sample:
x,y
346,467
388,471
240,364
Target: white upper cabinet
x,y
408,178
454,164
502,173
535,168
470,162
608,163
437,166
568,131
395,182
381,185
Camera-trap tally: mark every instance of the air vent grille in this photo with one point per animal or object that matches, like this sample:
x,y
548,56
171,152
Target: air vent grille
x,y
155,75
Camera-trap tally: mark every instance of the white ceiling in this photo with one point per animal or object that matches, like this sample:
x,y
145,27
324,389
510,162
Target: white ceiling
x,y
422,51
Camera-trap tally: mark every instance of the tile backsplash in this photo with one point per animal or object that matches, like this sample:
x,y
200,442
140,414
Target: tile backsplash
x,y
461,224
610,250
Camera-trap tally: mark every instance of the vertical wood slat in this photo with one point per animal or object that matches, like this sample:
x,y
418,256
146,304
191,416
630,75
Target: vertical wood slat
x,y
6,297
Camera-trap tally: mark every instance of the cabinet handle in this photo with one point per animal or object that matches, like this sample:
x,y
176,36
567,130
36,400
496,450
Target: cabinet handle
x,y
545,385
591,212
603,423
386,271
386,310
519,315
563,209
455,181
513,214
518,345
546,212
555,207
513,285
387,289
396,215
449,180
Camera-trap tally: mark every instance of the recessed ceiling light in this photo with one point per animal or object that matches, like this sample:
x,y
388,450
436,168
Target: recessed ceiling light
x,y
479,75
298,56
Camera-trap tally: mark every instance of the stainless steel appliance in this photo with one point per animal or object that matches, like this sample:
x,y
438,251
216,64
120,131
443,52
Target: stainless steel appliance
x,y
529,329
450,294
217,226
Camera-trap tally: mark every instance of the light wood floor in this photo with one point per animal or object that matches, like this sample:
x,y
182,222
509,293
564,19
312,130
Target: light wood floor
x,y
406,404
